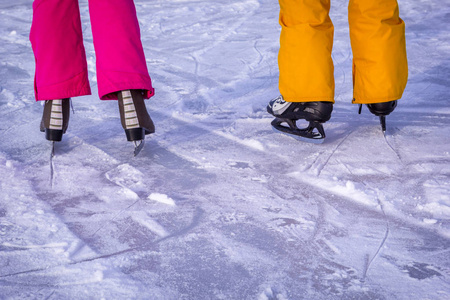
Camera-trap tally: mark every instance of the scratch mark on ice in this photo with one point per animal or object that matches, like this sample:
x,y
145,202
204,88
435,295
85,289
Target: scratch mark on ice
x,y
392,148
322,166
369,263
51,245
195,221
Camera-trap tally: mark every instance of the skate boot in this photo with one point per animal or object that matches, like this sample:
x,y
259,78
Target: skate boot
x,y
134,117
315,113
55,119
382,110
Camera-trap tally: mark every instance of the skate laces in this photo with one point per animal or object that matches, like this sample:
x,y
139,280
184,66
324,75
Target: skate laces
x,y
56,115
130,114
279,100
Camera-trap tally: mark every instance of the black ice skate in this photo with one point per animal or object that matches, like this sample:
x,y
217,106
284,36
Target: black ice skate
x,y
381,110
134,117
55,119
315,113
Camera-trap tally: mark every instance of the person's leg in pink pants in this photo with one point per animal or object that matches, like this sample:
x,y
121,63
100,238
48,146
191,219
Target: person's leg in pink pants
x,y
120,58
61,68
57,41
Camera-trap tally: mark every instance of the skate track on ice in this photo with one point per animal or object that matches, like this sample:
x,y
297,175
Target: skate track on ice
x,y
217,205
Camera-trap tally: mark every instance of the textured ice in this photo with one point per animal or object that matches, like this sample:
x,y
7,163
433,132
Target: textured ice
x,y
217,205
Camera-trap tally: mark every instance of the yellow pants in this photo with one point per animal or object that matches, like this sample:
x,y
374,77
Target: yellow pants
x,y
377,35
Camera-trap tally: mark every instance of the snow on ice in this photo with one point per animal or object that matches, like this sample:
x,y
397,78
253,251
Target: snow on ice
x,y
217,205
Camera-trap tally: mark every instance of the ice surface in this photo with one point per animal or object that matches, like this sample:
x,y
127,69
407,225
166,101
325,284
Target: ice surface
x,y
217,205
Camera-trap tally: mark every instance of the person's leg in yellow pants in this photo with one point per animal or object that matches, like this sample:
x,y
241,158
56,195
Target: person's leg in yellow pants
x,y
380,68
304,60
377,34
306,80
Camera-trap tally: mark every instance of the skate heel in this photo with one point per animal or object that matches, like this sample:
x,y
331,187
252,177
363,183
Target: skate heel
x,y
55,119
53,135
135,134
382,110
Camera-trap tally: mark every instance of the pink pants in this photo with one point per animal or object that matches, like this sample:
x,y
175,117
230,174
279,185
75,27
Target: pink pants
x,y
57,41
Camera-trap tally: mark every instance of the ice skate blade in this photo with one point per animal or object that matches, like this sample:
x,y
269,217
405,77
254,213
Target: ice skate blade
x,y
135,134
383,124
299,138
138,146
52,153
314,133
